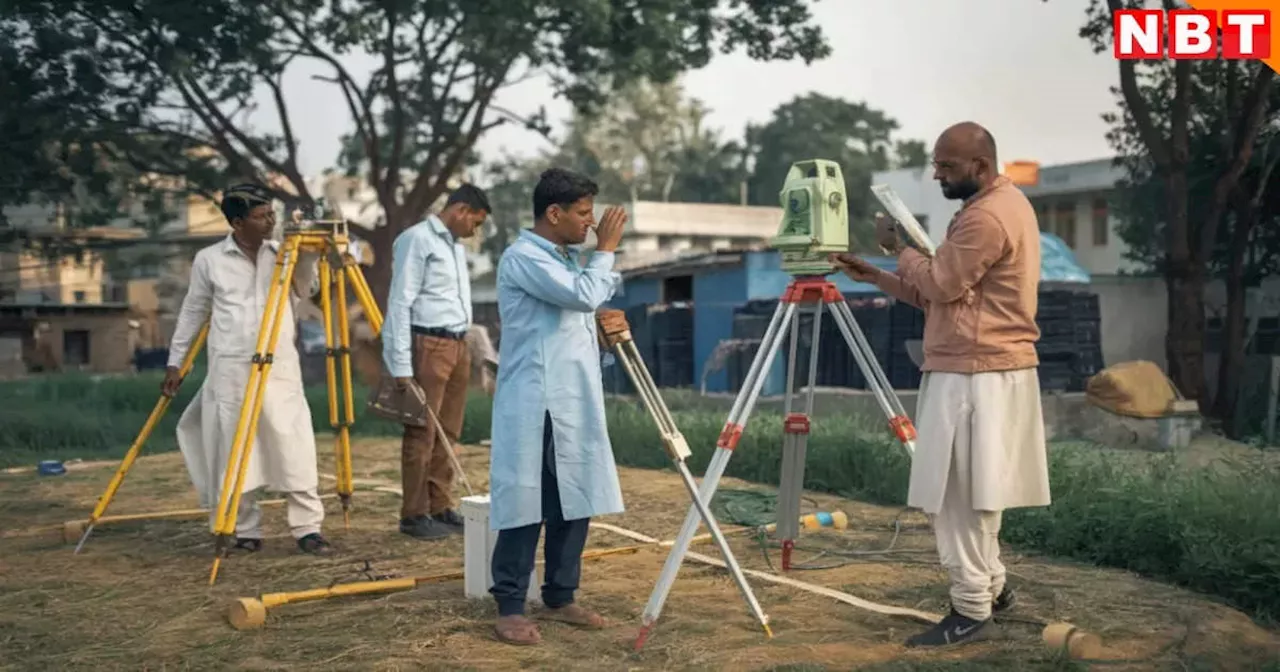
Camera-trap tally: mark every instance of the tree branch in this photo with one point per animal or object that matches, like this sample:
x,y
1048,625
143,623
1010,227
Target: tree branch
x,y
361,114
254,148
1247,128
1140,110
399,124
1269,165
425,189
277,93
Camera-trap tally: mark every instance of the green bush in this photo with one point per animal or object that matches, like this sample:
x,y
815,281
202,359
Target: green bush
x,y
1212,529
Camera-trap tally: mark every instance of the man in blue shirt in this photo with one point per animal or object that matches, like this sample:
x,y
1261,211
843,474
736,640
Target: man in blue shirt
x,y
551,461
423,339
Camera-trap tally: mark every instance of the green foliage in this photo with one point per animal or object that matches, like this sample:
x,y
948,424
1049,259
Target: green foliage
x,y
1212,528
164,89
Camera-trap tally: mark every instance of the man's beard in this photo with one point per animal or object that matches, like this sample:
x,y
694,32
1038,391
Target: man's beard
x,y
960,190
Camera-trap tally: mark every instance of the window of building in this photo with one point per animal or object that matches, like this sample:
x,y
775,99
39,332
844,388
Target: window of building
x,y
1101,223
75,348
78,296
1042,214
1064,222
677,288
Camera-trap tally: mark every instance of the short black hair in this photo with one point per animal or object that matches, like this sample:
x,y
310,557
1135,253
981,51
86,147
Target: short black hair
x,y
557,186
239,199
471,196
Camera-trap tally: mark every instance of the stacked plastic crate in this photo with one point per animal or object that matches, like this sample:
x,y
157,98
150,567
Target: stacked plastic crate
x,y
1070,346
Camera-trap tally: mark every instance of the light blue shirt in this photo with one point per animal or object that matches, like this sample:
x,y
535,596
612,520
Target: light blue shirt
x,y
550,364
430,287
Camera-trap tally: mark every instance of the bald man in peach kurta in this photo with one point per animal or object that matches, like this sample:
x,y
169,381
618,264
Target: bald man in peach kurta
x,y
981,446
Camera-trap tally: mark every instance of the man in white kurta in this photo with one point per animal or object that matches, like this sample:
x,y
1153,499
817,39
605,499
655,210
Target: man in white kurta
x,y
230,282
981,445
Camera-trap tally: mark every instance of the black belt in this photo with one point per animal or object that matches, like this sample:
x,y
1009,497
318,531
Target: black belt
x,y
438,332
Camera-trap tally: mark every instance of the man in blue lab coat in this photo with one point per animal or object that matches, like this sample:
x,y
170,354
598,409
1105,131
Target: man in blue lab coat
x,y
551,458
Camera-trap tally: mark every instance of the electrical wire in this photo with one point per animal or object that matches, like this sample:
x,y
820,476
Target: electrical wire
x,y
757,509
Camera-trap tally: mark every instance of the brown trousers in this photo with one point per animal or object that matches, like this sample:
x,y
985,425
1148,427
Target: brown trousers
x,y
442,367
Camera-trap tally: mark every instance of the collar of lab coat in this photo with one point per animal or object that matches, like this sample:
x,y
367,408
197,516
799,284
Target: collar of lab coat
x,y
549,246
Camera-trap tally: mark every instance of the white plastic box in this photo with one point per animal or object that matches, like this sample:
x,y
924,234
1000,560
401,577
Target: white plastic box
x,y
479,541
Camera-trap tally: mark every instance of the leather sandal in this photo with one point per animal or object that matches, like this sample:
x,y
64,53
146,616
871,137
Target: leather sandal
x,y
517,630
574,614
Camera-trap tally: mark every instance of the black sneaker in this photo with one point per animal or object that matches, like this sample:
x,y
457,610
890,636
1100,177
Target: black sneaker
x,y
314,544
953,629
423,527
451,520
248,544
1006,600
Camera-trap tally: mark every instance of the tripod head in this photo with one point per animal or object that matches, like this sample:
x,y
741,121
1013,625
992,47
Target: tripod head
x,y
328,235
815,218
299,223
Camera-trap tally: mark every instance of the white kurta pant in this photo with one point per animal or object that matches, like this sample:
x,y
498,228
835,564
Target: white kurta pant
x,y
981,449
283,458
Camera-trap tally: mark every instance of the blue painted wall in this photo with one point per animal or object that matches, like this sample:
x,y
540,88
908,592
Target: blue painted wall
x,y
637,292
716,294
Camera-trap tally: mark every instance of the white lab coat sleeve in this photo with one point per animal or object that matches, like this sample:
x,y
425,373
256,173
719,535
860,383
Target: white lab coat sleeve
x,y
194,312
550,280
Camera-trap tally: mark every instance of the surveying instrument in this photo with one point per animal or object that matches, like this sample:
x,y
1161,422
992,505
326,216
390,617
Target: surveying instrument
x,y
337,268
815,223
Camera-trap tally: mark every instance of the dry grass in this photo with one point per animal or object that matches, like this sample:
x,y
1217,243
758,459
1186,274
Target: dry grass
x,y
136,598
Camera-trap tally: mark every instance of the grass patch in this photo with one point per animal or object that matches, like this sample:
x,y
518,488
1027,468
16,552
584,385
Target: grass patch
x,y
1210,528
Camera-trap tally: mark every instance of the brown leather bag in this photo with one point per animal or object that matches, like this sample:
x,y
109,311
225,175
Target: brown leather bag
x,y
407,406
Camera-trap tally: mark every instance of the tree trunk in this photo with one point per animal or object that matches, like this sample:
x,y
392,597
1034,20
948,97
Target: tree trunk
x,y
1185,338
378,275
1231,363
1184,280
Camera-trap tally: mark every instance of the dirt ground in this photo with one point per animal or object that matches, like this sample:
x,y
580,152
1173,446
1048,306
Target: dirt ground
x,y
137,597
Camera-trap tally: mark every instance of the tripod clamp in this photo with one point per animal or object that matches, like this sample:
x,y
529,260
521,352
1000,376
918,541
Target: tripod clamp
x,y
615,334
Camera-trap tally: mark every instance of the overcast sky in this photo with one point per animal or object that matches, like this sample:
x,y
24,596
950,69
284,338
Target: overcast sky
x,y
1016,66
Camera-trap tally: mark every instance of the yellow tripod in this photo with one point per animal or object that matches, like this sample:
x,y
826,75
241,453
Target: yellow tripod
x,y
337,268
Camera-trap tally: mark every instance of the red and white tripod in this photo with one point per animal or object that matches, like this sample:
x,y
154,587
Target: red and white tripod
x,y
823,295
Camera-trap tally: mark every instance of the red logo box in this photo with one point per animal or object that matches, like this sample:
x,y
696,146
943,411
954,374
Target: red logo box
x,y
1192,34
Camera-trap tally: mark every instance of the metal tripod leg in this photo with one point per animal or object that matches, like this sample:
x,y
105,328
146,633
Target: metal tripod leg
x,y
162,405
678,449
251,406
795,439
899,422
729,436
345,484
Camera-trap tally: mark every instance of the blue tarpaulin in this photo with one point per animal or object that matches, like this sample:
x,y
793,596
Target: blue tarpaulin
x,y
1057,263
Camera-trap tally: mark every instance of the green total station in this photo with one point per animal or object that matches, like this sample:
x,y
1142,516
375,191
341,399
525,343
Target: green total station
x,y
815,217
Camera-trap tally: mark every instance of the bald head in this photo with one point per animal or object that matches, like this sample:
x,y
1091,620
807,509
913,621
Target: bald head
x,y
964,160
